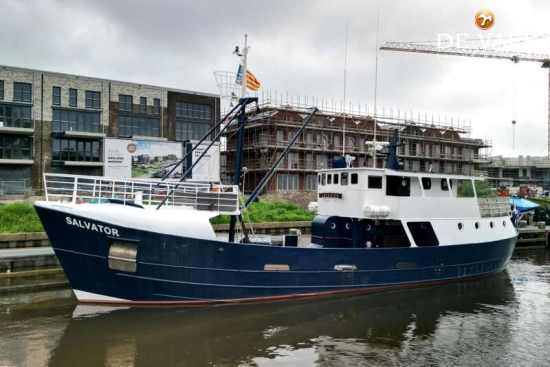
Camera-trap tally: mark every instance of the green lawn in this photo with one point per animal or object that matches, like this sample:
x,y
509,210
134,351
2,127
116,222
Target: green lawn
x,y
16,218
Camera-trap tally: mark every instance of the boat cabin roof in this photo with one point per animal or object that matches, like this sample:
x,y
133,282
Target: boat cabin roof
x,y
390,172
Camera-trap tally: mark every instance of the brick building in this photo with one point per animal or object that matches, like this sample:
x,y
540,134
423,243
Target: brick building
x,y
445,148
52,122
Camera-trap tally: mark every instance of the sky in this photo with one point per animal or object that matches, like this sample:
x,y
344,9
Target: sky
x,y
303,49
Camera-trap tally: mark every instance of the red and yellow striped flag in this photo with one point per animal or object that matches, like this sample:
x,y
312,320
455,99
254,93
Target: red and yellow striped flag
x,y
252,82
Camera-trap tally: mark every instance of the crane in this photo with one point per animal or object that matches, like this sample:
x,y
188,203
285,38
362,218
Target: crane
x,y
482,53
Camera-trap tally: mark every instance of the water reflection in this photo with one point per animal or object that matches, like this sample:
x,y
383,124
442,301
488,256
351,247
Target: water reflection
x,y
415,327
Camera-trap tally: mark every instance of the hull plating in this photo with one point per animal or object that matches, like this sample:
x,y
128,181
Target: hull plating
x,y
174,269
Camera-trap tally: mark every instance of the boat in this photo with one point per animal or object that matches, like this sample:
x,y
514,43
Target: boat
x,y
150,242
145,242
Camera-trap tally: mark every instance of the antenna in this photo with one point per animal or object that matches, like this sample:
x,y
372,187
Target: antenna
x,y
344,111
376,82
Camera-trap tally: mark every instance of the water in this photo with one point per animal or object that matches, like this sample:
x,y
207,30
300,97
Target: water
x,y
503,320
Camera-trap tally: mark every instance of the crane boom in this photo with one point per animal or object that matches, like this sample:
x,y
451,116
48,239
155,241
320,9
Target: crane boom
x,y
472,52
469,52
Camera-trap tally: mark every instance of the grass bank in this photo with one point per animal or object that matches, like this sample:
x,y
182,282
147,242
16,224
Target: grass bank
x,y
15,218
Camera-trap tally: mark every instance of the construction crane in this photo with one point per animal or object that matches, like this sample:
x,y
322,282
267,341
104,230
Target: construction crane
x,y
482,53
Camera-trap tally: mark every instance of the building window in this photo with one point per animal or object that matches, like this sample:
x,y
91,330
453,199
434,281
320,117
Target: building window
x,y
193,110
142,104
288,182
15,116
293,161
56,96
93,99
22,92
1,89
73,97
311,182
190,130
156,106
68,120
75,150
125,102
137,126
15,147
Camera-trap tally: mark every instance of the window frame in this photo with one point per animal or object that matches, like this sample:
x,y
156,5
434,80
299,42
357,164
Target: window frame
x,y
143,105
1,90
156,106
73,97
90,96
19,94
56,96
125,102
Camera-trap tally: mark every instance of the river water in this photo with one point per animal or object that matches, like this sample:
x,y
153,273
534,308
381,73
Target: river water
x,y
503,320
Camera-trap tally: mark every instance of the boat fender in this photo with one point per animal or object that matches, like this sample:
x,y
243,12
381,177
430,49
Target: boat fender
x,y
313,206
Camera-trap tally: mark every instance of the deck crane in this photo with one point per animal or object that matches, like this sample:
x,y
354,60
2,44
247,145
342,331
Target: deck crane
x,y
472,52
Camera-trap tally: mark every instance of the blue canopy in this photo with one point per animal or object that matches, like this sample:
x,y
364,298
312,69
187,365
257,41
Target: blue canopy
x,y
523,205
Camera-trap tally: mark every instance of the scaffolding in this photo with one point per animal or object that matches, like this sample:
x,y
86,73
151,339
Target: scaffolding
x,y
334,132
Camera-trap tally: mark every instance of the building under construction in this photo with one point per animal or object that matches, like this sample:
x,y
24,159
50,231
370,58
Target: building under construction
x,y
519,171
330,134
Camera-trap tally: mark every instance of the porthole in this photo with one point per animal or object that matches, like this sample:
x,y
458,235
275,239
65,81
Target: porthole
x,y
477,225
367,227
347,226
492,224
460,226
333,225
504,223
423,225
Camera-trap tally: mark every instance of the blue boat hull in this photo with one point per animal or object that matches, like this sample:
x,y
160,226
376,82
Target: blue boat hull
x,y
173,269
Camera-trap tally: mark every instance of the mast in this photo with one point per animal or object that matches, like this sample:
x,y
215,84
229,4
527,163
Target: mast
x,y
240,138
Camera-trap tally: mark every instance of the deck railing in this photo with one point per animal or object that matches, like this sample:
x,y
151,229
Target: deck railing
x,y
96,190
494,206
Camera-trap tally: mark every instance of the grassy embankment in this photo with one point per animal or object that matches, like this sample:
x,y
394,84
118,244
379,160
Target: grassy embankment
x,y
15,218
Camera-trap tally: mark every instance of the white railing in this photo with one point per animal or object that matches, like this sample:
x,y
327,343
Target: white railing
x,y
97,190
494,206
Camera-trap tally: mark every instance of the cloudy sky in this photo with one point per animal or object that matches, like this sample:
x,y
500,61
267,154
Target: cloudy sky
x,y
297,48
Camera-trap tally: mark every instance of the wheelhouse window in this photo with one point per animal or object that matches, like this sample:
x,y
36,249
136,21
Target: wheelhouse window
x,y
336,176
22,92
464,189
75,150
426,183
398,186
344,180
70,120
322,177
329,179
375,182
354,178
444,185
93,99
56,96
